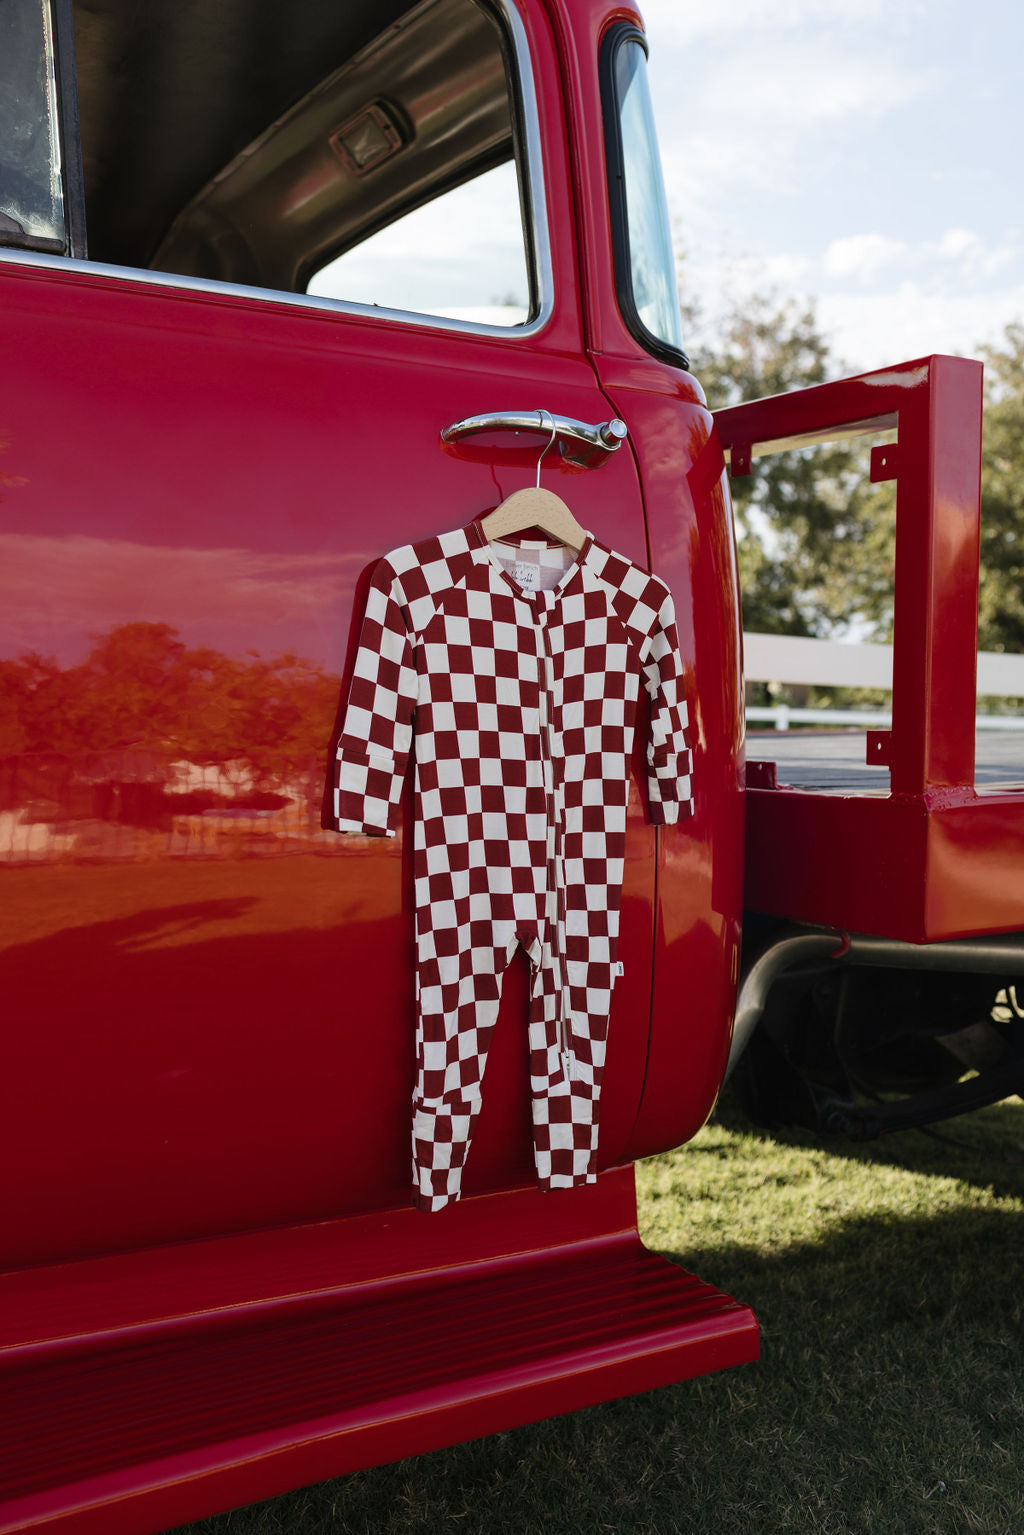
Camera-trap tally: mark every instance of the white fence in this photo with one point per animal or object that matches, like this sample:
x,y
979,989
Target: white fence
x,y
784,658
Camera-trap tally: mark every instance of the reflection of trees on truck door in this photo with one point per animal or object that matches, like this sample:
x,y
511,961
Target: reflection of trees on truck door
x,y
147,731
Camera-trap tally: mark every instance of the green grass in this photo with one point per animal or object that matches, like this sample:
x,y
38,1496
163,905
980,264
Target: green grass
x,y
889,1283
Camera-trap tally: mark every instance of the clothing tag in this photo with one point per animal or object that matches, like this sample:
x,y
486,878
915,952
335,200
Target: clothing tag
x,y
525,575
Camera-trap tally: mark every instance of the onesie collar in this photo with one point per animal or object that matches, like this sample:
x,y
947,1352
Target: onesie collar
x,y
568,578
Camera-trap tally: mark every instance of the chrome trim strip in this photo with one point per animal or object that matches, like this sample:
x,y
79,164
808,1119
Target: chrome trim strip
x,y
538,234
533,160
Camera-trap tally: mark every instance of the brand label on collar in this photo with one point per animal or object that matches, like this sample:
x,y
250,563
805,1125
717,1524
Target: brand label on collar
x,y
525,575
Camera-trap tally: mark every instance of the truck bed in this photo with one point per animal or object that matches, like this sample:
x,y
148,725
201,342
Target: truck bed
x,y
831,841
834,759
921,846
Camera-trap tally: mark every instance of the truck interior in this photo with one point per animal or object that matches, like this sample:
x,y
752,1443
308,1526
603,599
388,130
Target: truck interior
x,y
243,144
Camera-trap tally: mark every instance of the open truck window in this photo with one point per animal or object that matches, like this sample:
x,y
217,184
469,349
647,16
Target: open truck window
x,y
232,144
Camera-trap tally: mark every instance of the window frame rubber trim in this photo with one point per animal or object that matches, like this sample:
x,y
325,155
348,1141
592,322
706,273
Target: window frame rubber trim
x,y
72,174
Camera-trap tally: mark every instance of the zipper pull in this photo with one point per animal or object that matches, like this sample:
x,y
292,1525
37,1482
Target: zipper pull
x,y
567,1066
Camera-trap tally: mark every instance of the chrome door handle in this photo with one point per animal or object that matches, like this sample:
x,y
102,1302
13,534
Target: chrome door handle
x,y
607,436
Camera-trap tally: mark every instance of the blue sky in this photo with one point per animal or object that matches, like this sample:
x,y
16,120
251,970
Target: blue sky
x,y
865,154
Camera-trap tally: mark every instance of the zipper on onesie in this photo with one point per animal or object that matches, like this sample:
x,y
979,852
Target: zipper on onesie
x,y
545,680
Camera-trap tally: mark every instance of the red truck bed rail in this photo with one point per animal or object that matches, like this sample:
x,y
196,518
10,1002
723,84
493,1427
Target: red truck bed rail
x,y
936,857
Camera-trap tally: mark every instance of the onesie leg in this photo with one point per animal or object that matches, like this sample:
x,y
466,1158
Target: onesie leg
x,y
458,997
567,1051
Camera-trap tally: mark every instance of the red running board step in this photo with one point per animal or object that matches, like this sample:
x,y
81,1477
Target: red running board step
x,y
137,1417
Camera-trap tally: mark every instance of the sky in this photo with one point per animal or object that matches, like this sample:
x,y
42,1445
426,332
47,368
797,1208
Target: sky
x,y
865,154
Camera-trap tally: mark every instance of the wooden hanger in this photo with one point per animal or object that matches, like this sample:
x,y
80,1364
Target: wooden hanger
x,y
535,508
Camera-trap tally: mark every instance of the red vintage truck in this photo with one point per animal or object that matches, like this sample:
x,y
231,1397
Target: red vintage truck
x,y
282,289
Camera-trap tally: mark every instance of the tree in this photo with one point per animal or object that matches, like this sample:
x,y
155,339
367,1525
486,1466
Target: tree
x,y
815,538
1001,623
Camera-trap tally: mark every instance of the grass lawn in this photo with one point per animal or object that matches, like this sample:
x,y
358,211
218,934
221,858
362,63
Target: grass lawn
x,y
889,1283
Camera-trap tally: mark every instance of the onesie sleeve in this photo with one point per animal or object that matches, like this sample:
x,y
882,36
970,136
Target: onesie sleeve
x,y
669,761
376,734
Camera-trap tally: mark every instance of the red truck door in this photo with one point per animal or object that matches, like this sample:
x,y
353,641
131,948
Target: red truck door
x,y
212,1284
199,477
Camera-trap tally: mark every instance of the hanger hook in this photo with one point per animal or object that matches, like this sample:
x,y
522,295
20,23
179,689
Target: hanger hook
x,y
550,441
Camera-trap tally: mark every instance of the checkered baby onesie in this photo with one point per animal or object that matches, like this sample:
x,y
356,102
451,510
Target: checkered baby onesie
x,y
519,666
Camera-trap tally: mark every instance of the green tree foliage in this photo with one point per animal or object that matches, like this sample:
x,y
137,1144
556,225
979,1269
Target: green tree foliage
x,y
815,537
1002,496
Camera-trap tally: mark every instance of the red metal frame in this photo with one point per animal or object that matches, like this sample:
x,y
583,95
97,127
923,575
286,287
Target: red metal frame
x,y
935,858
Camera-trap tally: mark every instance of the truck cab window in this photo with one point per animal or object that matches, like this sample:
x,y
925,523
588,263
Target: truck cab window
x,y
644,259
226,144
31,194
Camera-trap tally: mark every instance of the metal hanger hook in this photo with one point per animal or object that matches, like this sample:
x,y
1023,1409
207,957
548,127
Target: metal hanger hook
x,y
550,441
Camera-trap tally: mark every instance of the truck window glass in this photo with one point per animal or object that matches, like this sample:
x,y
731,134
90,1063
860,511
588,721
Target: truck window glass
x,y
31,200
460,256
214,153
645,262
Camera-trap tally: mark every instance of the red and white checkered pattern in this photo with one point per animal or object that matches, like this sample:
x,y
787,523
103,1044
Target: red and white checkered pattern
x,y
520,667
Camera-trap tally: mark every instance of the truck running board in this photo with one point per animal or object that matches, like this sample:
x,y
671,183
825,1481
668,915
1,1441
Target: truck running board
x,y
146,1390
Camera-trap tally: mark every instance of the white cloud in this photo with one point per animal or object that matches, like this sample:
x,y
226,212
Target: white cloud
x,y
879,300
851,156
956,259
670,23
754,116
802,83
862,256
978,261
717,283
955,242
782,269
869,330
752,95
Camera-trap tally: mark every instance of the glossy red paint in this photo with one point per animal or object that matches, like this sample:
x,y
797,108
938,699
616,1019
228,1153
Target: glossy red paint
x,y
240,1049
934,859
700,894
690,536
214,994
212,503
911,869
234,1369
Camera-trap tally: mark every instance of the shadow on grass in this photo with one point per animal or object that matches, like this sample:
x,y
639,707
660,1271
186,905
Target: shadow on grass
x,y
888,1400
984,1148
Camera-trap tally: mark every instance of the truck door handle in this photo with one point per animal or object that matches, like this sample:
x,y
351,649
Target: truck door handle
x,y
606,437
